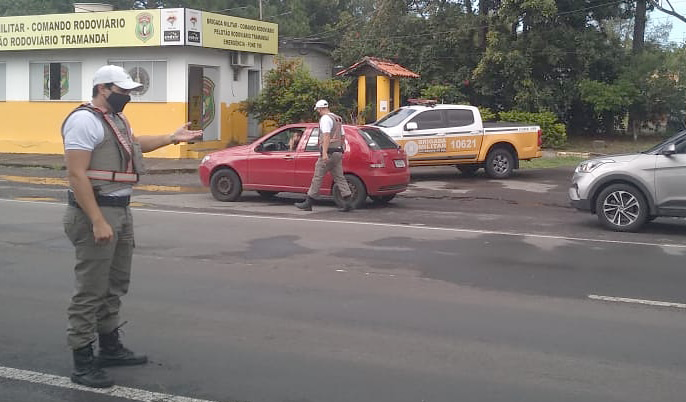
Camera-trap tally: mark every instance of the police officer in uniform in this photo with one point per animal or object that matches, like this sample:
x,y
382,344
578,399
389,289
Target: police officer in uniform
x,y
104,160
331,147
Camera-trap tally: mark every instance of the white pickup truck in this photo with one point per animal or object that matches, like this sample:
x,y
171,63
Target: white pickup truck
x,y
437,134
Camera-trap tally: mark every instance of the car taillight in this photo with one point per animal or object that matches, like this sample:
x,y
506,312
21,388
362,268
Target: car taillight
x,y
540,137
377,160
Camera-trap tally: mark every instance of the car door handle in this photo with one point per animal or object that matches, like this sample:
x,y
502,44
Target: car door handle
x,y
289,157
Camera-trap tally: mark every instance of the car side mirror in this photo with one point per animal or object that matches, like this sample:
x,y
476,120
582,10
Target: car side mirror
x,y
411,126
259,148
668,150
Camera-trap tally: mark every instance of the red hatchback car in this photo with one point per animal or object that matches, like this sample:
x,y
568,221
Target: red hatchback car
x,y
283,161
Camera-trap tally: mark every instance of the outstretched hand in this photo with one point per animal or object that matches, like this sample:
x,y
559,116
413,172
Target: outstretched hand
x,y
183,134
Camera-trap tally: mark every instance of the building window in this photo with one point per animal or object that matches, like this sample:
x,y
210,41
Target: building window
x,y
3,81
55,81
153,76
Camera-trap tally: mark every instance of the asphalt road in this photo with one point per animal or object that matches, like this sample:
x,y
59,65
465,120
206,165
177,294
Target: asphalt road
x,y
461,289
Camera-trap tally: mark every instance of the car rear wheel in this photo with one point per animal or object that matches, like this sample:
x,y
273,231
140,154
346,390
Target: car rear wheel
x,y
622,208
499,163
267,194
226,185
359,192
382,199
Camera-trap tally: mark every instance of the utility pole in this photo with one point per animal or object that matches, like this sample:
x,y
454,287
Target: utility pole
x,y
260,1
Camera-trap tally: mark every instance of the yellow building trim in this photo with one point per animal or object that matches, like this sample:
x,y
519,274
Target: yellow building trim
x,y
361,98
35,127
383,93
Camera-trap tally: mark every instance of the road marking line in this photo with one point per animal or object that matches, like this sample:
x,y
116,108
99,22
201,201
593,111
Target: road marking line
x,y
116,391
638,301
387,225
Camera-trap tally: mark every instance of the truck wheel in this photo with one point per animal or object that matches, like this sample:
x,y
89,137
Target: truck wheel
x,y
467,170
226,185
622,208
358,189
499,163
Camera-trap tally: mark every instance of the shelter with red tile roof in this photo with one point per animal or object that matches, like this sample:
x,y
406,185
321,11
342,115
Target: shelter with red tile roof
x,y
377,84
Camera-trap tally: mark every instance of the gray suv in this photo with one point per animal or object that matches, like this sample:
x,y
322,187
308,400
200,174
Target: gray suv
x,y
625,191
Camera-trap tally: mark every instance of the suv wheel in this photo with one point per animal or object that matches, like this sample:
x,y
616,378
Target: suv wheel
x,y
499,163
622,208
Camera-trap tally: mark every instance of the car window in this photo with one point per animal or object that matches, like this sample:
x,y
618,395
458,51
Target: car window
x,y
313,141
429,119
377,139
281,141
675,138
459,117
394,118
681,146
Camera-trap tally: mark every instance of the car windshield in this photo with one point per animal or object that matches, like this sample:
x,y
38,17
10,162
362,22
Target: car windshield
x,y
667,141
394,118
377,139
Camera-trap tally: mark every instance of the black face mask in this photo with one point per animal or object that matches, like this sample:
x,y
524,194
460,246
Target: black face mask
x,y
118,101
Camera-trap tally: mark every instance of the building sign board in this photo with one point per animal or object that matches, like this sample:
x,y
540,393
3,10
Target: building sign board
x,y
133,28
233,33
173,21
81,30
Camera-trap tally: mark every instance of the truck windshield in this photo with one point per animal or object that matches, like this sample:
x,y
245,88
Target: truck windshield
x,y
394,118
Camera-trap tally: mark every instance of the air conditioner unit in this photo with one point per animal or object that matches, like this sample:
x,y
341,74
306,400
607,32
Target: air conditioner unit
x,y
242,59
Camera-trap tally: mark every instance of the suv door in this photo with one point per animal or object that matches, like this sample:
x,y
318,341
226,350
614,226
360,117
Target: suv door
x,y
670,180
464,135
427,141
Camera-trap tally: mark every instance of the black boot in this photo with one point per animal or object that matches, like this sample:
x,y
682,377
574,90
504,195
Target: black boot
x,y
347,204
86,372
113,353
305,205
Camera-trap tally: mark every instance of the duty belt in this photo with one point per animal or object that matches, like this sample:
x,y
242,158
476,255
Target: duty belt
x,y
102,200
334,150
119,177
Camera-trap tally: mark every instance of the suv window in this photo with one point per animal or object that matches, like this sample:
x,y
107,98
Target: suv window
x,y
377,139
459,117
429,119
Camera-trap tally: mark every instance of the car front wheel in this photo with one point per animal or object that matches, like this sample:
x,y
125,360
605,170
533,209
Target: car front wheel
x,y
226,185
622,208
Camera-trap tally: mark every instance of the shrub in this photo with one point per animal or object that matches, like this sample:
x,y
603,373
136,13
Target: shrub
x,y
554,133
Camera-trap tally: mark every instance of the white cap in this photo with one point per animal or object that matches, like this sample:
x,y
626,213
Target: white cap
x,y
321,103
115,75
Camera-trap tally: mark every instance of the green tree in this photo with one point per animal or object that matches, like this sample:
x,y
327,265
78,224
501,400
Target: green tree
x,y
290,92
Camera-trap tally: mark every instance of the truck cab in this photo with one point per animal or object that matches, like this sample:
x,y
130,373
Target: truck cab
x,y
439,134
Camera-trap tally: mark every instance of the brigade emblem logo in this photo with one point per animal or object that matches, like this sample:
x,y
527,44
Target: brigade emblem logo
x,y
144,27
207,102
63,80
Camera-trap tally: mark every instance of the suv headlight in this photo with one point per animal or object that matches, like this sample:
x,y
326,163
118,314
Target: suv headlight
x,y
589,166
205,158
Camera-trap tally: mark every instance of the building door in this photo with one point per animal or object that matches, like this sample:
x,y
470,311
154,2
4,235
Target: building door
x,y
202,105
253,91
